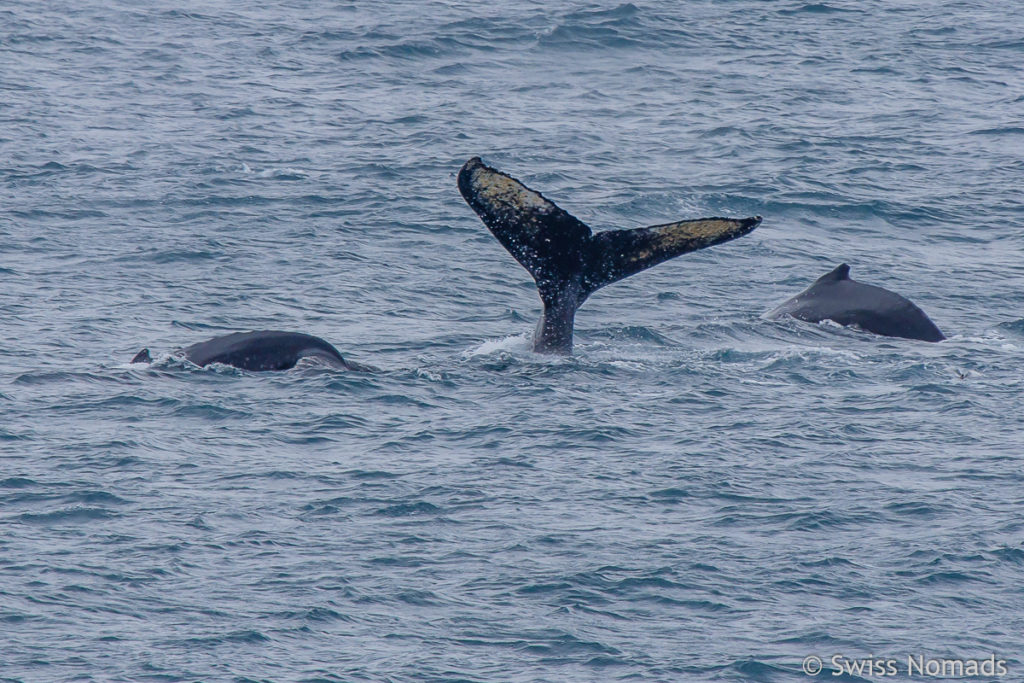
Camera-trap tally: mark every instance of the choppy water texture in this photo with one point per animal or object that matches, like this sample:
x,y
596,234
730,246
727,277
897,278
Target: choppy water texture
x,y
697,494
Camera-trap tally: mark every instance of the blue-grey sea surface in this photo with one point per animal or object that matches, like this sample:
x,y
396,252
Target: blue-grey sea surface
x,y
697,494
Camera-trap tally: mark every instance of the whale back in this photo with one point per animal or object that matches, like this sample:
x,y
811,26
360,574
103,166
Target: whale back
x,y
262,350
836,297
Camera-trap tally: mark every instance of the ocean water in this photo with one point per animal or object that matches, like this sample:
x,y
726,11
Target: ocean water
x,y
697,494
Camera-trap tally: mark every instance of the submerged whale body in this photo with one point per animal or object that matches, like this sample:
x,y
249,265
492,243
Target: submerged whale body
x,y
263,350
834,296
567,261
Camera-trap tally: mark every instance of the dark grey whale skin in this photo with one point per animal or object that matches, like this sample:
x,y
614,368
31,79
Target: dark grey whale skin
x,y
566,259
262,350
836,297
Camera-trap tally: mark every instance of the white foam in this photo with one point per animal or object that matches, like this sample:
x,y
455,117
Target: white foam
x,y
283,173
516,343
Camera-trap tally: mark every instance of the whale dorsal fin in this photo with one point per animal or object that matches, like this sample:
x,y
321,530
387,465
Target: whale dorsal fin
x,y
142,357
841,272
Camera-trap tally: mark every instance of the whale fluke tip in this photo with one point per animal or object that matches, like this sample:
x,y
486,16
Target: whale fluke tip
x,y
748,224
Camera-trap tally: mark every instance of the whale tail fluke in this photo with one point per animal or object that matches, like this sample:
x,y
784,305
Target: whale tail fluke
x,y
617,254
557,248
142,357
567,261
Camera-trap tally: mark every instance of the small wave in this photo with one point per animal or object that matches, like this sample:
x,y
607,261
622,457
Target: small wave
x,y
373,475
780,357
325,614
1016,327
238,112
69,515
420,598
48,169
510,462
246,637
620,27
913,509
816,8
1006,130
633,333
283,174
409,509
180,255
950,577
175,361
561,644
68,214
95,497
403,50
209,411
16,483
1012,555
198,522
1010,43
625,27
33,378
587,36
517,343
670,495
329,507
